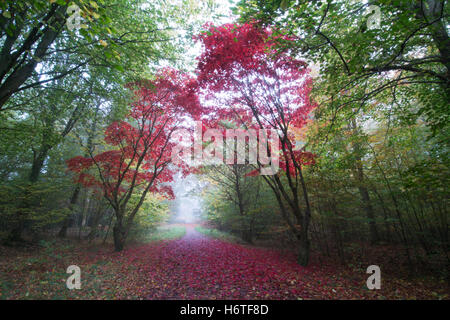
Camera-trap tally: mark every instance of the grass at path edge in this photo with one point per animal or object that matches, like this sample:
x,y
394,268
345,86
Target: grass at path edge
x,y
214,233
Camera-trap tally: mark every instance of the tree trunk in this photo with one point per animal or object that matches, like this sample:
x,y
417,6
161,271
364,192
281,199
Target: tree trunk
x,y
73,200
247,236
373,231
96,219
16,233
38,161
304,248
66,224
19,72
63,231
119,234
303,255
109,227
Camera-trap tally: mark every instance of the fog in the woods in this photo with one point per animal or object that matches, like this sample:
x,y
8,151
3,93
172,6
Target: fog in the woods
x,y
187,203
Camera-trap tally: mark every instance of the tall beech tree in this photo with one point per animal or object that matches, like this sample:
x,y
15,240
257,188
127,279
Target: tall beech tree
x,y
239,67
34,34
138,160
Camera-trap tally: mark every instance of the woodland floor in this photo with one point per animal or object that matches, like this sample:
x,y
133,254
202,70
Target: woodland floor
x,y
191,267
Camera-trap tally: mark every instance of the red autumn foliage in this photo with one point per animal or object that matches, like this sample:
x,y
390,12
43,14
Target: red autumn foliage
x,y
141,146
241,71
240,67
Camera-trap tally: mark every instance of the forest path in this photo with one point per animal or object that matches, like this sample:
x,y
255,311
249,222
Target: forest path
x,y
194,266
199,267
192,234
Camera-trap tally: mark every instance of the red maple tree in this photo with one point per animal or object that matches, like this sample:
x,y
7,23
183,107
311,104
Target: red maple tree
x,y
240,68
140,147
